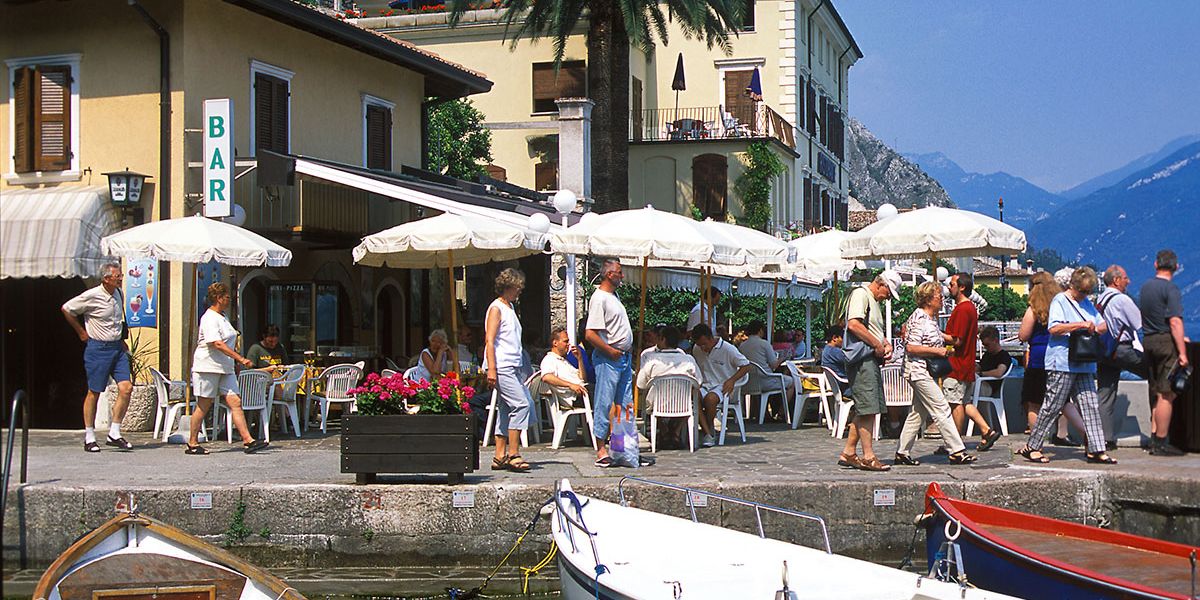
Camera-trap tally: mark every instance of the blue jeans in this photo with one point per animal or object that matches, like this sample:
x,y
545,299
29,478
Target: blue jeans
x,y
614,385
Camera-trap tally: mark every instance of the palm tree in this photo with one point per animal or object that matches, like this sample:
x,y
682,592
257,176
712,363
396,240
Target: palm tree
x,y
613,26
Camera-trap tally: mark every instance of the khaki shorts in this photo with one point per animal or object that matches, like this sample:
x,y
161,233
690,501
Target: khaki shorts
x,y
866,387
957,392
1161,358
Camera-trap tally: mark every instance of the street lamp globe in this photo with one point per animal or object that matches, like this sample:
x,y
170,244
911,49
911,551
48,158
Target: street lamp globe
x,y
539,223
564,201
942,273
238,218
886,210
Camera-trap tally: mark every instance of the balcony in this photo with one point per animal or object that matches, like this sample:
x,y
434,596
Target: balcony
x,y
310,211
711,123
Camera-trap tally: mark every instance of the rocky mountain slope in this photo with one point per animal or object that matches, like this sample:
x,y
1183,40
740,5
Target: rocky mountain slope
x,y
1142,162
879,175
1024,202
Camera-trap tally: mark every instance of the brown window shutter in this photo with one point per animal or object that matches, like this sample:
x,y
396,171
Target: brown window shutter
x,y
808,204
812,109
737,103
824,121
637,116
569,82
710,182
52,118
262,112
23,119
379,136
280,117
545,175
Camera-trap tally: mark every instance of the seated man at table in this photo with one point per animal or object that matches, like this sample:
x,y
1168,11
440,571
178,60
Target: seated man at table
x,y
568,381
668,359
833,357
651,339
268,353
721,366
995,362
759,351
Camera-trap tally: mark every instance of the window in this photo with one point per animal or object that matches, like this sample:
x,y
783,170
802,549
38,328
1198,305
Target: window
x,y
569,82
710,182
748,18
377,133
44,110
270,108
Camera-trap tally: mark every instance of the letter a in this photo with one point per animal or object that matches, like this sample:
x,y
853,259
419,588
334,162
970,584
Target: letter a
x,y
217,163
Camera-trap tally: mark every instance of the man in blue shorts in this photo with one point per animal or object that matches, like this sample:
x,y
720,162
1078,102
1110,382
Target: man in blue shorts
x,y
103,330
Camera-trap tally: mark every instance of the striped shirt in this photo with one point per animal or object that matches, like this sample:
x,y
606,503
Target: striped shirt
x,y
102,313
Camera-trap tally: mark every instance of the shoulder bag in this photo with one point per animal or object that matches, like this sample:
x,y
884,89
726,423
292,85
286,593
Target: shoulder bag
x,y
855,349
939,367
1084,346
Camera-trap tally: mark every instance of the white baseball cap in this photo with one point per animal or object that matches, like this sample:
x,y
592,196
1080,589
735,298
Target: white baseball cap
x,y
893,281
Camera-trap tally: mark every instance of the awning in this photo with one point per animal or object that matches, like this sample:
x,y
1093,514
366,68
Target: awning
x,y
54,233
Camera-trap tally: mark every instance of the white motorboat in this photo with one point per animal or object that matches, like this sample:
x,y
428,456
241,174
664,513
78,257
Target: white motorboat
x,y
134,557
616,552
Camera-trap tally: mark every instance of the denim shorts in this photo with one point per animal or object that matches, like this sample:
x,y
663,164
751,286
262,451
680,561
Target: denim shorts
x,y
104,359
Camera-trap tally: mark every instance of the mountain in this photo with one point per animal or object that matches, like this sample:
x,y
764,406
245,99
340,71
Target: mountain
x,y
1143,162
1127,223
1024,202
879,175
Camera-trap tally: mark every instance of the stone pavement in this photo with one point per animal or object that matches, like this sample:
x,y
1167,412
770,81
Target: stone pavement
x,y
295,495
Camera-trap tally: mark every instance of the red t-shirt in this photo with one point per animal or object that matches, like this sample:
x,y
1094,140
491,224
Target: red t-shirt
x,y
964,324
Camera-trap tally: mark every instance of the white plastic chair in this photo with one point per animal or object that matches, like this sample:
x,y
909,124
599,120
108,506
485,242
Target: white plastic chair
x,y
289,385
896,391
388,372
844,405
672,396
411,373
338,380
735,407
258,390
167,412
997,401
823,395
535,422
560,417
758,375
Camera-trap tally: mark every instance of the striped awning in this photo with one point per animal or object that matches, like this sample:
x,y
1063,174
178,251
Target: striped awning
x,y
54,233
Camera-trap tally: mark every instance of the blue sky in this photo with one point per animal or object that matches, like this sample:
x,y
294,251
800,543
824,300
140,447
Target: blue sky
x,y
1056,92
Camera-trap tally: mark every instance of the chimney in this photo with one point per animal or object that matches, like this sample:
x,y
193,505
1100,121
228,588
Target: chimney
x,y
575,147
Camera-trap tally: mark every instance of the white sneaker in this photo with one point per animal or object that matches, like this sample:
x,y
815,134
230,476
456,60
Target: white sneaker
x,y
708,441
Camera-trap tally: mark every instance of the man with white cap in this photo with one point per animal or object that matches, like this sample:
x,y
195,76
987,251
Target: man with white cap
x,y
866,350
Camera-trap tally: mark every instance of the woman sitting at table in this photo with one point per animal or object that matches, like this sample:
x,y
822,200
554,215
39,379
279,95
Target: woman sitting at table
x,y
434,360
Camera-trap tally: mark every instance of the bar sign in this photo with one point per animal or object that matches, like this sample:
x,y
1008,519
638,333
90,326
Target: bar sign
x,y
218,157
201,500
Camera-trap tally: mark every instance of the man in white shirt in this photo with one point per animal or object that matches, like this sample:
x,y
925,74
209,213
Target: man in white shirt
x,y
568,381
759,351
708,303
609,334
106,355
667,359
722,366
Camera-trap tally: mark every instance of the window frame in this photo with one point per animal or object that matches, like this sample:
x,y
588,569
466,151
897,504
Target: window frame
x,y
73,171
256,67
369,100
533,69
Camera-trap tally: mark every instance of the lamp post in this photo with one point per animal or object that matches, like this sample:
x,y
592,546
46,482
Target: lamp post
x,y
565,202
1003,279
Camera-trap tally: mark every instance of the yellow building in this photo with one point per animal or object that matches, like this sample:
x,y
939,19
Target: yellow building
x,y
686,149
88,95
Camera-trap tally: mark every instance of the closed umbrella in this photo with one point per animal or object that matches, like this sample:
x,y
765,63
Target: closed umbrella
x,y
678,83
754,90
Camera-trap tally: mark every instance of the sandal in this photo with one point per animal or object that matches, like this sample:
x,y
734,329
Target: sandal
x,y
906,460
989,440
962,458
516,464
873,464
91,447
1028,453
499,464
851,461
195,450
1101,458
603,462
255,446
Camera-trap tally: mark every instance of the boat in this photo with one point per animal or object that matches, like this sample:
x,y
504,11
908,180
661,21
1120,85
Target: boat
x,y
617,552
1037,557
135,557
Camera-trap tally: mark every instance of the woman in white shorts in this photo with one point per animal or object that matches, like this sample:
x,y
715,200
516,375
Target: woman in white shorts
x,y
213,371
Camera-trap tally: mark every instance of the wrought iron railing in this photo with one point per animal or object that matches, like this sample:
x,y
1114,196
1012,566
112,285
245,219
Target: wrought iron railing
x,y
709,123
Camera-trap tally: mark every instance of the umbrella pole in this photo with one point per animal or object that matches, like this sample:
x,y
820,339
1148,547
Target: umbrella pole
x,y
637,356
771,312
453,341
189,333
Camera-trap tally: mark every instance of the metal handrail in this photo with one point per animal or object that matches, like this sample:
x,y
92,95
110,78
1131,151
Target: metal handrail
x,y
18,401
757,506
564,515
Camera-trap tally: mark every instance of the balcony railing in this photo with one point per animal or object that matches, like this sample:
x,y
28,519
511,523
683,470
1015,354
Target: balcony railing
x,y
307,208
711,123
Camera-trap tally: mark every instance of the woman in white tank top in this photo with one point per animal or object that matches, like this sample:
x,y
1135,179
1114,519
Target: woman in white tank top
x,y
503,354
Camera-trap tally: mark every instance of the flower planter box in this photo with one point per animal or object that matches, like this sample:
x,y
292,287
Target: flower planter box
x,y
409,444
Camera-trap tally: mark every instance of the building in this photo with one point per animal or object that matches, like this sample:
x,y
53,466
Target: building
x,y
336,111
687,148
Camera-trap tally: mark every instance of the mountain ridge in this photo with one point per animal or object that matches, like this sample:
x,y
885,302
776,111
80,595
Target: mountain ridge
x,y
878,174
1114,176
1024,202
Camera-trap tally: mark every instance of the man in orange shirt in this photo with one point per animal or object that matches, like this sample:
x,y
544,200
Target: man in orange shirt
x,y
964,328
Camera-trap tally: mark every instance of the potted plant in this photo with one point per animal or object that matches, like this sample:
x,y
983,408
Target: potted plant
x,y
407,426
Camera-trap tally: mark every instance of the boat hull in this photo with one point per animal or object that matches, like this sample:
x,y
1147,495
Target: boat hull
x,y
995,562
577,585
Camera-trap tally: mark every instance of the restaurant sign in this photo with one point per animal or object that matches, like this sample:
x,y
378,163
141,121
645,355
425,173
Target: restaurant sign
x,y
218,157
826,167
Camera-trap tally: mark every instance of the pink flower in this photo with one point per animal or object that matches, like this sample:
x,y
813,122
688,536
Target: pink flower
x,y
373,377
468,391
385,396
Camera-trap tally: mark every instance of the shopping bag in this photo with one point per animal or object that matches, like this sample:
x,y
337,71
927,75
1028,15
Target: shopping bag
x,y
623,438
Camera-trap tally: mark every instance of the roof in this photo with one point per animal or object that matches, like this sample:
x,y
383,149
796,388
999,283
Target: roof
x,y
443,78
990,267
858,219
845,30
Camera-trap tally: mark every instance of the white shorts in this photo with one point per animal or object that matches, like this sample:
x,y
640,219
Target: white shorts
x,y
214,385
705,390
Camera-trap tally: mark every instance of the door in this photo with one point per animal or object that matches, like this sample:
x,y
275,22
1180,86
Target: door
x,y
710,175
737,103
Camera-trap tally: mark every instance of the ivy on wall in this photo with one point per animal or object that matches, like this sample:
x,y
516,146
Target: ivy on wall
x,y
753,186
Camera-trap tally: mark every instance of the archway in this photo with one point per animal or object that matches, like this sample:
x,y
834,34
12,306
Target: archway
x,y
391,310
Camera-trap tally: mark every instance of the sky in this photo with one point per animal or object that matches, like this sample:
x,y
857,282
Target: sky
x,y
1054,91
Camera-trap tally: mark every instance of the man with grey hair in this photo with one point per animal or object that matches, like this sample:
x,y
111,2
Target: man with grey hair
x,y
1124,354
611,337
866,350
106,355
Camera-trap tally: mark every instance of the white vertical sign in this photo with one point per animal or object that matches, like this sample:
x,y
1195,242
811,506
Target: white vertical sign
x,y
218,157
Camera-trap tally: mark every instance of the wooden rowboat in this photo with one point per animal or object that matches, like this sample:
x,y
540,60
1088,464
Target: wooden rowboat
x,y
616,552
134,557
1036,557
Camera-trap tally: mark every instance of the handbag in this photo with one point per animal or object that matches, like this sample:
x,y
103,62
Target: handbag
x,y
1084,346
855,349
938,367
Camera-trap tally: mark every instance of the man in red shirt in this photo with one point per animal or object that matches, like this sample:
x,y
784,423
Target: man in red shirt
x,y
959,385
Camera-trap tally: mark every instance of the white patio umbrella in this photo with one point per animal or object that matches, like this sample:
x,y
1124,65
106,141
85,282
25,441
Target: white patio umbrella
x,y
821,253
195,239
450,240
643,233
934,231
